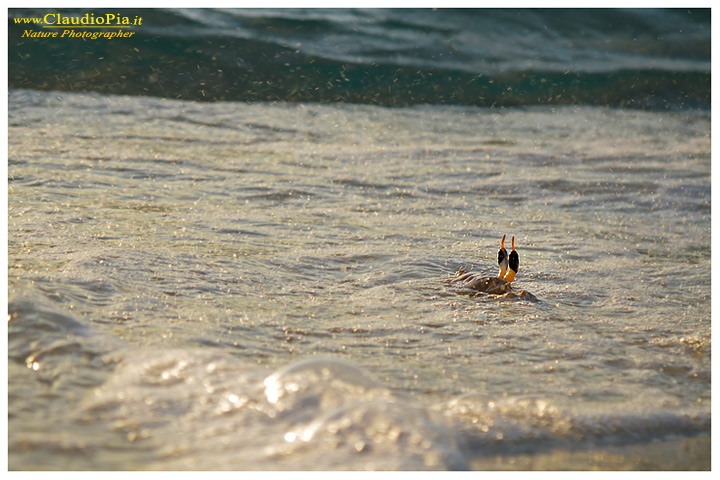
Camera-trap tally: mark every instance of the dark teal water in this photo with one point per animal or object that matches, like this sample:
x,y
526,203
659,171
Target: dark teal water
x,y
656,59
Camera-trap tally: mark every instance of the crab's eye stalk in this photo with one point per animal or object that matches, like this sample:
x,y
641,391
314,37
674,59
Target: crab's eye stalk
x,y
513,263
502,258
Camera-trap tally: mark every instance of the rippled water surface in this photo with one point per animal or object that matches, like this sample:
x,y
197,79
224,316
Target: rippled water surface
x,y
655,58
263,286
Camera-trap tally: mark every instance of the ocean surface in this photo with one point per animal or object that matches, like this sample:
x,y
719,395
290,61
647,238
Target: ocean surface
x,y
395,57
258,279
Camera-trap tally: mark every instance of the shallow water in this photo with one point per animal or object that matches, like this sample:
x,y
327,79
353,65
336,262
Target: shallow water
x,y
262,286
